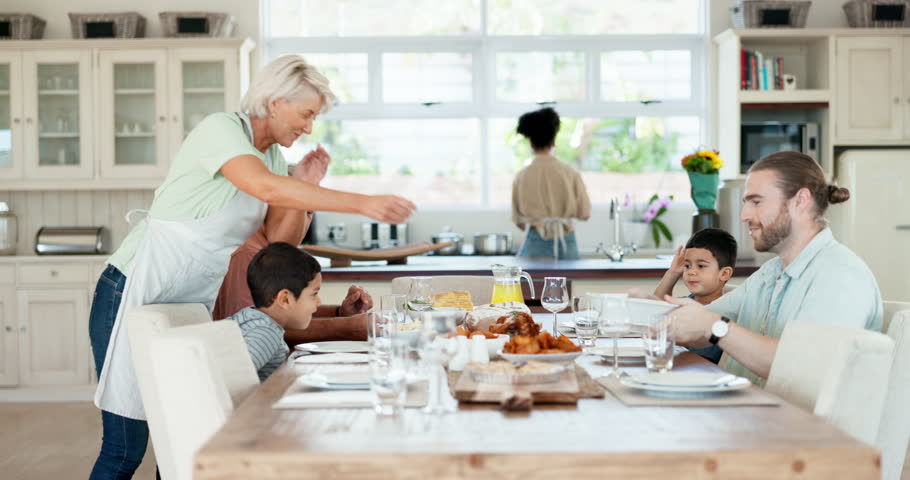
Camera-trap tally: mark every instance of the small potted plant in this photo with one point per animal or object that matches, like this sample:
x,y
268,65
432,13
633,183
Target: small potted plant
x,y
703,168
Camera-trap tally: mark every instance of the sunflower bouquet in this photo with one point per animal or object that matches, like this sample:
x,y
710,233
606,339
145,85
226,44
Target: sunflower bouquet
x,y
703,167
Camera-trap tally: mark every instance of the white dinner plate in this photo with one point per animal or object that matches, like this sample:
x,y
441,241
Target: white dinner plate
x,y
625,352
561,358
334,347
683,379
738,383
328,381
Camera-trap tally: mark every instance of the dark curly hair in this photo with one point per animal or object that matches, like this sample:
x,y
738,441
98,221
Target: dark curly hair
x,y
540,127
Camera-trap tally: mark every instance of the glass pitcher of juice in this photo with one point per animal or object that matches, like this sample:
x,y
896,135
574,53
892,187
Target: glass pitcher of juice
x,y
507,283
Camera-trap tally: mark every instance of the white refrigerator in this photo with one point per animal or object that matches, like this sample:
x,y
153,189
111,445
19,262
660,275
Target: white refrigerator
x,y
875,221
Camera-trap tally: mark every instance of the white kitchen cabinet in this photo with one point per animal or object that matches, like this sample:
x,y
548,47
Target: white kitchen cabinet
x,y
57,87
871,92
9,341
53,336
202,82
906,76
11,120
133,113
109,114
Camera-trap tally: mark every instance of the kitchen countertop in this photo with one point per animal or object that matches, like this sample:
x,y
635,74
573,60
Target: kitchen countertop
x,y
586,268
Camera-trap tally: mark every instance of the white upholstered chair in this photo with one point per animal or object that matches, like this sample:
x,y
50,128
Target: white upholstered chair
x,y
894,431
889,309
174,397
839,373
480,287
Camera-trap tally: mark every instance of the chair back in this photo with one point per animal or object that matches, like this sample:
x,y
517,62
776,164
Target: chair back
x,y
894,431
234,368
890,308
839,373
191,392
480,287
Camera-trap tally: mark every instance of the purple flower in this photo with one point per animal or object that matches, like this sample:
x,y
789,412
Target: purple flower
x,y
665,202
651,213
627,200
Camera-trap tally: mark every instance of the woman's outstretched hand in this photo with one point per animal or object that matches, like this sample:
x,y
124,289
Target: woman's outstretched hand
x,y
388,208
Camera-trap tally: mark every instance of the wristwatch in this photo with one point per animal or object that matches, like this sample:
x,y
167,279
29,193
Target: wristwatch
x,y
719,330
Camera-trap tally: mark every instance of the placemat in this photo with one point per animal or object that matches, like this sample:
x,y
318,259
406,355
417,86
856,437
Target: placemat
x,y
633,397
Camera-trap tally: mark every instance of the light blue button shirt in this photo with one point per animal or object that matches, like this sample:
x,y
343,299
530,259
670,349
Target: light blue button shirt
x,y
826,283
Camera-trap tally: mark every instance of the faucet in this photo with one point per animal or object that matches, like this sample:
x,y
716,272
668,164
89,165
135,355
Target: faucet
x,y
616,251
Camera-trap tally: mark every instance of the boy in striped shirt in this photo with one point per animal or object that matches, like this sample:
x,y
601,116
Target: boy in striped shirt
x,y
284,282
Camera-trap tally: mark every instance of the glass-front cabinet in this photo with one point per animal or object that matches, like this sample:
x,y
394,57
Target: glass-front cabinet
x,y
11,151
58,114
133,114
203,82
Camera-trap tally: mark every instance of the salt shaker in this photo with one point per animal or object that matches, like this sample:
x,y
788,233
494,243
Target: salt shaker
x,y
462,357
479,353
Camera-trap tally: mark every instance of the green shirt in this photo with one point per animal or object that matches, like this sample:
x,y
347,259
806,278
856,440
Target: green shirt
x,y
826,283
194,187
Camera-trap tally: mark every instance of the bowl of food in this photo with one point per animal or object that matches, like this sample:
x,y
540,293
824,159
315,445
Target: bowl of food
x,y
506,373
542,347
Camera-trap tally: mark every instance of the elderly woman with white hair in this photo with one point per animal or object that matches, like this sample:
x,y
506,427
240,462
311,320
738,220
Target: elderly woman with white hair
x,y
227,180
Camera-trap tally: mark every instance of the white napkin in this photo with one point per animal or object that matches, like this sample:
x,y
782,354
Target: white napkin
x,y
332,358
326,399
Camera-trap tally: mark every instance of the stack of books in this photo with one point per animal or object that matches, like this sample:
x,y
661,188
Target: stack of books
x,y
758,72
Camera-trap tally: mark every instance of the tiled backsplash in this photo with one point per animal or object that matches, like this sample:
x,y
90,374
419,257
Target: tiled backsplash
x,y
107,208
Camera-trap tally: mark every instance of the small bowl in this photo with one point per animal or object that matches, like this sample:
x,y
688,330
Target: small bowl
x,y
641,309
558,358
494,345
459,313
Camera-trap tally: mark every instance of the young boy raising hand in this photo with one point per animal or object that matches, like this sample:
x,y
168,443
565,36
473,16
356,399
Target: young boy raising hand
x,y
705,264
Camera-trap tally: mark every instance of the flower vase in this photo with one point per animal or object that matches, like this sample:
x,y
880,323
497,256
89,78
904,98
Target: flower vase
x,y
704,194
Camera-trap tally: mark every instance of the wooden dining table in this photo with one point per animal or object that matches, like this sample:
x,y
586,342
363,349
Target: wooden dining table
x,y
597,438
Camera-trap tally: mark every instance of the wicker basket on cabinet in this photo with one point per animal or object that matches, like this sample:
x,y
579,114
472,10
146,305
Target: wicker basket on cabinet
x,y
107,25
878,13
770,14
196,24
21,26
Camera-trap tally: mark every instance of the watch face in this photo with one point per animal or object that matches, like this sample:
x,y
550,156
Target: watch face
x,y
720,328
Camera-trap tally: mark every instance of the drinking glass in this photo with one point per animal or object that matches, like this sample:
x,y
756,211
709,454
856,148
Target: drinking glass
x,y
388,379
586,321
380,330
394,305
659,344
419,299
614,322
437,347
554,298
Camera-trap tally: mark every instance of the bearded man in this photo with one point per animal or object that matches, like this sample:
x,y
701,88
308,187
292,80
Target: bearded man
x,y
813,278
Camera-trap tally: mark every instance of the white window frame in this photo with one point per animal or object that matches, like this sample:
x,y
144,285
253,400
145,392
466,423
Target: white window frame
x,y
483,48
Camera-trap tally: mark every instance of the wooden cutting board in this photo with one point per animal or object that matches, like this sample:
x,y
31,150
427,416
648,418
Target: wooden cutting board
x,y
563,391
342,257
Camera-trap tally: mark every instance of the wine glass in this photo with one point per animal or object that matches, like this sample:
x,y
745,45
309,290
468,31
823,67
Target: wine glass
x,y
614,321
419,299
554,297
437,346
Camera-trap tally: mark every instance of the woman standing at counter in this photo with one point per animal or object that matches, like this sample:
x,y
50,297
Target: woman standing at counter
x,y
227,180
547,194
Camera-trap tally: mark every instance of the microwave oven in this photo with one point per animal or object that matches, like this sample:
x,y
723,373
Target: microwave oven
x,y
764,138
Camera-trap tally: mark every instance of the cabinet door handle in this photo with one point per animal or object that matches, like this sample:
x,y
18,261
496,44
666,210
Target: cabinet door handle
x,y
17,120
897,100
176,119
902,227
162,119
28,120
53,273
22,329
9,329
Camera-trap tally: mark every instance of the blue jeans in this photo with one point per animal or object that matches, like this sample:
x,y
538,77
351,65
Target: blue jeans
x,y
537,246
123,440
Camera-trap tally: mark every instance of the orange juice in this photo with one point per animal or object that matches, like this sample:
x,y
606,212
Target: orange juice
x,y
507,293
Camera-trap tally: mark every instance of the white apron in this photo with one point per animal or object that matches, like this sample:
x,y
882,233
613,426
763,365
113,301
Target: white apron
x,y
176,262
